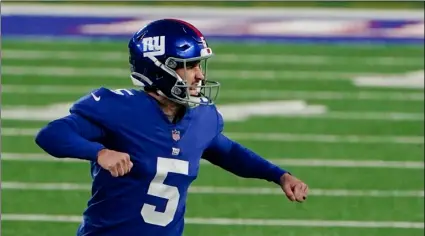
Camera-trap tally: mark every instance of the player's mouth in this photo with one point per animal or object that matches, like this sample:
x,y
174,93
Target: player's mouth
x,y
193,90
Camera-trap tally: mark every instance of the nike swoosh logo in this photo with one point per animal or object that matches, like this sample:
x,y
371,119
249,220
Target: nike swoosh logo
x,y
96,98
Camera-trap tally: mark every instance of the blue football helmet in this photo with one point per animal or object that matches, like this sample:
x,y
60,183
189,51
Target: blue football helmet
x,y
160,48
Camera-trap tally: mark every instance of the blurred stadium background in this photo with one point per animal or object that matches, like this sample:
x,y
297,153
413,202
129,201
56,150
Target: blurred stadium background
x,y
332,91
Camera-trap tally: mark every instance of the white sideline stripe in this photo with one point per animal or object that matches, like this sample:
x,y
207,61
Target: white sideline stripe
x,y
278,161
281,137
225,190
261,94
235,221
72,72
297,59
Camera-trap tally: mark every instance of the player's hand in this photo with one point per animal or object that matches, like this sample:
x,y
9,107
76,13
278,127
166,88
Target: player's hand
x,y
117,163
295,189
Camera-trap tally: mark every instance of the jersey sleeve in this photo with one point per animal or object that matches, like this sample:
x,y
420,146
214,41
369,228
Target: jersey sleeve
x,y
71,136
102,106
238,159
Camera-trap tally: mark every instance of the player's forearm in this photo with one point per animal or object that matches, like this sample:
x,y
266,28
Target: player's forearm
x,y
69,137
245,163
241,161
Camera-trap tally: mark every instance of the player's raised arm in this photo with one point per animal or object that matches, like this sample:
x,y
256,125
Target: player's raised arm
x,y
71,136
80,134
243,162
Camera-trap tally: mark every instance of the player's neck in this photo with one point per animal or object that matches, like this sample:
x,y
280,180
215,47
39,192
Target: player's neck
x,y
170,108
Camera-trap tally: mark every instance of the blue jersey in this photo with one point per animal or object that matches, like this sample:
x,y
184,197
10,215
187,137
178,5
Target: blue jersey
x,y
150,200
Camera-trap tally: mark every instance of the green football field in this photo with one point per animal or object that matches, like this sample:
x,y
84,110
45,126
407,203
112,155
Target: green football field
x,y
349,122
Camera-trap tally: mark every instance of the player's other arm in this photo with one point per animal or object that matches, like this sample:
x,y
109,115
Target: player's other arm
x,y
76,137
71,136
243,162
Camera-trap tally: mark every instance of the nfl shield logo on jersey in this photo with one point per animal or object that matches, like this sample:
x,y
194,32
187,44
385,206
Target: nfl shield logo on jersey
x,y
176,135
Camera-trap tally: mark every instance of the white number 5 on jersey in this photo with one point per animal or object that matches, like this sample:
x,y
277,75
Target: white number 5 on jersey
x,y
121,91
159,189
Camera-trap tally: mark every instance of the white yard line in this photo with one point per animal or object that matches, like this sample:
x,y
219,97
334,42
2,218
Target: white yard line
x,y
349,163
58,72
17,112
36,157
72,72
225,190
312,192
283,161
322,95
19,132
48,89
245,94
324,138
279,137
390,115
235,221
258,59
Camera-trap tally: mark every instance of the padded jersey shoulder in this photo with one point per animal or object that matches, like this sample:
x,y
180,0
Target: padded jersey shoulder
x,y
220,120
209,114
107,107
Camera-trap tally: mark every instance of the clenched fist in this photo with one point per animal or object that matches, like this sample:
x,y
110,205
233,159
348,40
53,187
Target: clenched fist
x,y
295,189
117,163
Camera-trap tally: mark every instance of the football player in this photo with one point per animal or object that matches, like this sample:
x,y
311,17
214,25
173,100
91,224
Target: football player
x,y
145,145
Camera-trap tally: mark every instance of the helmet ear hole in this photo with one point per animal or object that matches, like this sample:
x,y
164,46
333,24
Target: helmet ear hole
x,y
172,64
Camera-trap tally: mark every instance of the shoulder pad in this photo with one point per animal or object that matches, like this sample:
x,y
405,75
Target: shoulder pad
x,y
219,120
101,105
